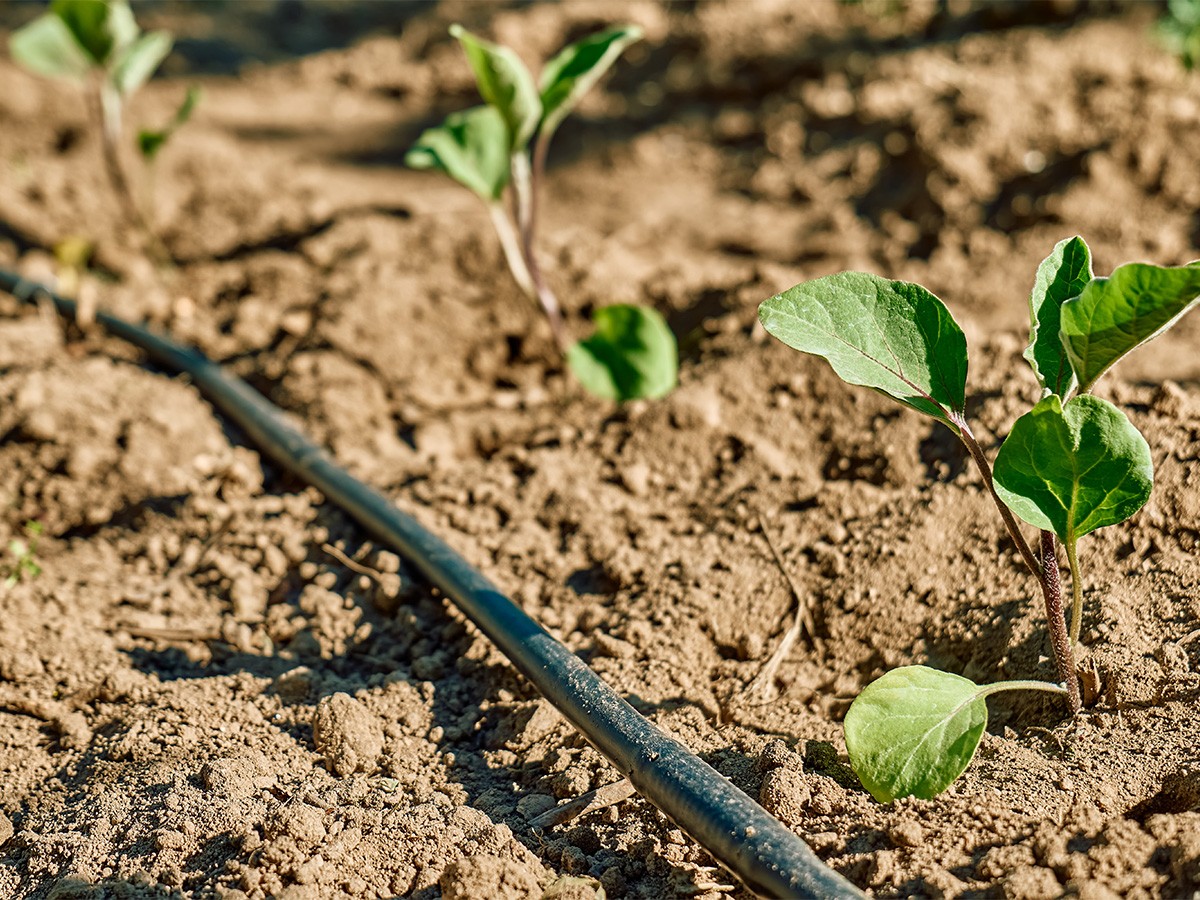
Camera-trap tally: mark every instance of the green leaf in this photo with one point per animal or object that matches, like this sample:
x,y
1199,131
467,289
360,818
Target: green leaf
x,y
1062,275
46,47
471,147
1115,315
150,142
99,27
138,61
891,336
577,68
1075,468
504,83
913,731
631,354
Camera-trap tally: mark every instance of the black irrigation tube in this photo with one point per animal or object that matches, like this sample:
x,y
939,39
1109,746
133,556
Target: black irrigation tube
x,y
740,834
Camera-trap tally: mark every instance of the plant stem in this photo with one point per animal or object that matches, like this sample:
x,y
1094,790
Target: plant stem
x,y
989,689
537,173
107,109
1052,591
512,248
1076,591
1010,522
523,189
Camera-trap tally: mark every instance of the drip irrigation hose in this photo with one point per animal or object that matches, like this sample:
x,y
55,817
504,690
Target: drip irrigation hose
x,y
740,834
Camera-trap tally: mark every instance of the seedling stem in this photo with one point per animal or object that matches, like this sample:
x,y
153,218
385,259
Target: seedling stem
x,y
1055,620
525,199
106,105
988,689
511,245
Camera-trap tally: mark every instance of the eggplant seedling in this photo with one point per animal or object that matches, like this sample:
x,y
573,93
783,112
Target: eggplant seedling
x,y
98,45
24,553
1072,464
1179,29
500,148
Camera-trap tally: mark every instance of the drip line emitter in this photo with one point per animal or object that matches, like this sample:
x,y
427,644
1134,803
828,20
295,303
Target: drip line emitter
x,y
737,831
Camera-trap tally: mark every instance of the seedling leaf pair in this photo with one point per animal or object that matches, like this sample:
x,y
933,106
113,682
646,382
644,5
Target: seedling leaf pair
x,y
77,36
475,148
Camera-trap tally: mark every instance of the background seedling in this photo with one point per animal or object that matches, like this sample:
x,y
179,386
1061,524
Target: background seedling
x,y
23,551
1072,464
1180,30
98,45
631,353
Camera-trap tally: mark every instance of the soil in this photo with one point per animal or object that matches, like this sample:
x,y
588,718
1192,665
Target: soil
x,y
217,687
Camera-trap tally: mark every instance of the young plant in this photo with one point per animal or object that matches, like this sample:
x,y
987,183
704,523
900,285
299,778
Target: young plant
x,y
98,45
500,149
1179,29
24,552
1072,464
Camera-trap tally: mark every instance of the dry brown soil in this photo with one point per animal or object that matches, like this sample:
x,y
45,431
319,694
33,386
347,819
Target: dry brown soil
x,y
200,697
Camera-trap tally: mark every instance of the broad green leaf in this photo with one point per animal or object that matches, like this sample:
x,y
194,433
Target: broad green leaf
x,y
150,141
137,62
913,731
1074,468
631,354
1115,315
504,83
471,147
1062,275
577,68
891,336
100,27
46,47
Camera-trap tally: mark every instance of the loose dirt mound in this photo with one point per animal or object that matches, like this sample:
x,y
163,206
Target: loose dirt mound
x,y
217,688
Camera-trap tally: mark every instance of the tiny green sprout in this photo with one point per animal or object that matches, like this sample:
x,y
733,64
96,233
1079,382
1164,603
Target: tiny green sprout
x,y
24,553
500,149
1179,29
150,141
1072,464
98,45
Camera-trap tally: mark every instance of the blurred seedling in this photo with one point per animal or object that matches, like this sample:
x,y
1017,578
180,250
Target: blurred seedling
x,y
24,554
98,45
499,152
1179,29
1072,464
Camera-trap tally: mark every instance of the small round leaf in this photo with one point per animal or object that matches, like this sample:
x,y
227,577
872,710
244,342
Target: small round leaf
x,y
1074,468
631,354
913,731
